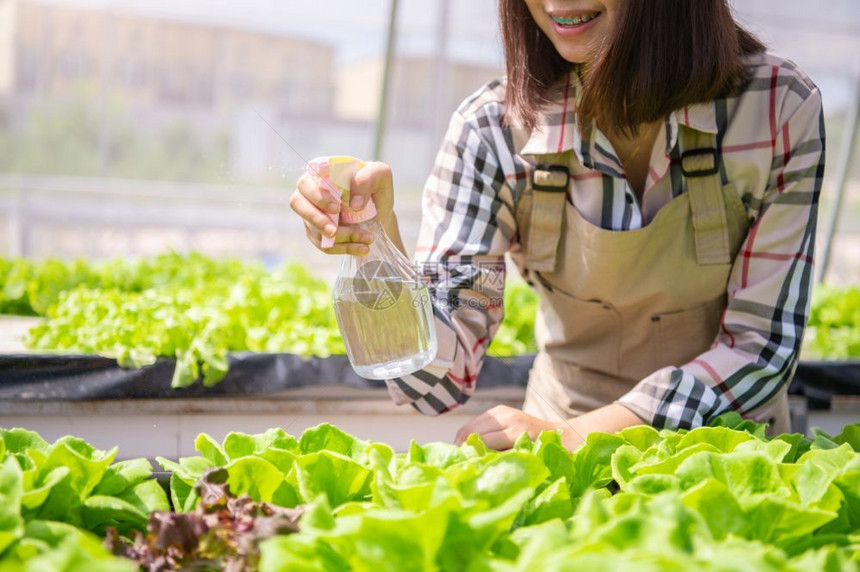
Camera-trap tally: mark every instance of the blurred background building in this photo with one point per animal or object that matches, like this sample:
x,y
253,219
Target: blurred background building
x,y
156,64
132,126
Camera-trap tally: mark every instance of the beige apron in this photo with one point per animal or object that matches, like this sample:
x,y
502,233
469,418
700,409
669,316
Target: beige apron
x,y
617,306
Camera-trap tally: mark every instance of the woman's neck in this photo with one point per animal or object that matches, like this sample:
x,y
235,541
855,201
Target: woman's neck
x,y
634,152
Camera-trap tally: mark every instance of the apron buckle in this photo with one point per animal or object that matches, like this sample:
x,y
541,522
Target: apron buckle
x,y
550,178
699,162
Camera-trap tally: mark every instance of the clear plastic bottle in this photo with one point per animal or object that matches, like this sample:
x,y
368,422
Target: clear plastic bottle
x,y
382,306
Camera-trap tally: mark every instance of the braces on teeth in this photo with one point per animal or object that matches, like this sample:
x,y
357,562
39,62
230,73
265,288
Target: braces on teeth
x,y
576,19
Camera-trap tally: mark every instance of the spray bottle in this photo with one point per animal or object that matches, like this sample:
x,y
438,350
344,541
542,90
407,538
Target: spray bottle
x,y
382,306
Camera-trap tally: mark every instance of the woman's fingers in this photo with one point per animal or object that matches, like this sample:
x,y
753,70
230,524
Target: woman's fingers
x,y
347,240
319,205
344,234
347,248
501,426
373,180
487,422
319,193
501,440
323,222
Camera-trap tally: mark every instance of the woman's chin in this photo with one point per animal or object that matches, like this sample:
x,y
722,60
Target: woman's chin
x,y
576,55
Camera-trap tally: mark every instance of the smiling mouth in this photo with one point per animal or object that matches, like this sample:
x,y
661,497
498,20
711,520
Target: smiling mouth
x,y
575,21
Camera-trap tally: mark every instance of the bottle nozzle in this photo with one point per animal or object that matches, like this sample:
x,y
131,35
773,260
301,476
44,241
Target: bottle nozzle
x,y
336,173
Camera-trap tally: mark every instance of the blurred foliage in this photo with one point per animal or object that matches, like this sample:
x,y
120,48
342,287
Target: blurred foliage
x,y
191,307
834,323
516,333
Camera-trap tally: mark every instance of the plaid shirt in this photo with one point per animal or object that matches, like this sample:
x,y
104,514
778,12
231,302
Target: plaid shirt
x,y
770,138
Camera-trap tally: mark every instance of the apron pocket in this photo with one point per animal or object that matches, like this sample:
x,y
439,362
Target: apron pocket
x,y
590,330
683,335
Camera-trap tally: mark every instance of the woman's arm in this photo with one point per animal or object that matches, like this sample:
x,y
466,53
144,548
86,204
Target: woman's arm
x,y
768,291
769,287
467,226
501,426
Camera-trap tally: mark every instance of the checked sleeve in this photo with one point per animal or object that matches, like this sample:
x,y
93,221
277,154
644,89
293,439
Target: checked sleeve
x,y
467,226
756,351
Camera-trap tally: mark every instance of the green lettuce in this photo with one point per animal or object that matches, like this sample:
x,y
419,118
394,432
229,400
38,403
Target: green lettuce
x,y
72,482
719,498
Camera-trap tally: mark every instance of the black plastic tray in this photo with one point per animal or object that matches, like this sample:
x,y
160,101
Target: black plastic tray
x,y
74,377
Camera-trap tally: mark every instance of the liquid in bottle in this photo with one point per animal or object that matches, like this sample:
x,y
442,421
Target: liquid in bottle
x,y
383,307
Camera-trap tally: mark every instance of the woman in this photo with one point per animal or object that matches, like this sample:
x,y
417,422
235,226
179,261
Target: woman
x,y
654,174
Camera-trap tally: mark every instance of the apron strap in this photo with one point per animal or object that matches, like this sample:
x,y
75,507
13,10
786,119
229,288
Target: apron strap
x,y
550,180
701,168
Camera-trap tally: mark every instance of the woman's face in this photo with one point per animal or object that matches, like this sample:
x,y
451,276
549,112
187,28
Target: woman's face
x,y
577,28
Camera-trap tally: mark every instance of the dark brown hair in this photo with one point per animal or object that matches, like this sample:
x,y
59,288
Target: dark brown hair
x,y
661,56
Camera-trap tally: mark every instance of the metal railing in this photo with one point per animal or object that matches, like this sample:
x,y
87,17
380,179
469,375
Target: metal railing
x,y
34,203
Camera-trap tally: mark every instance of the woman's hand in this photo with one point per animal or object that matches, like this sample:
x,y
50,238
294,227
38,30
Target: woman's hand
x,y
311,202
501,426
